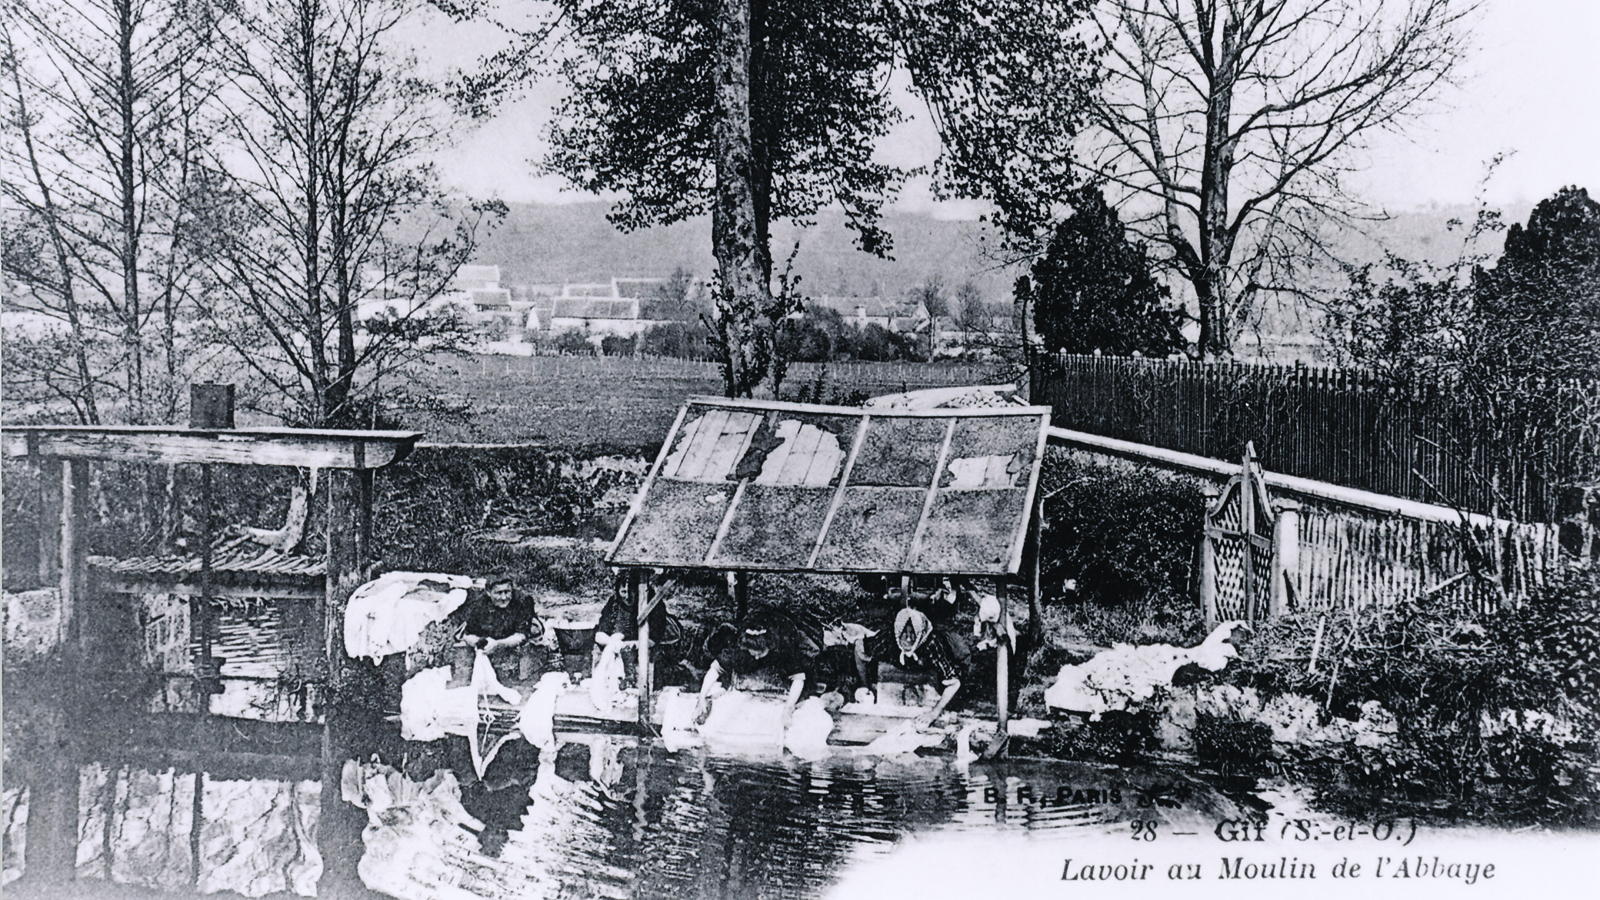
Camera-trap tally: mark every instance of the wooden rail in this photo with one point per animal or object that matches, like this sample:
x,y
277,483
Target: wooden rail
x,y
1219,470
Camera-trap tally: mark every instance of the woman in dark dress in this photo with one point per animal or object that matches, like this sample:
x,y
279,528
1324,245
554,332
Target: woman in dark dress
x,y
503,624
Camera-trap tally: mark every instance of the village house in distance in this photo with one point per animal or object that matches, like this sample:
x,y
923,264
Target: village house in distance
x,y
520,319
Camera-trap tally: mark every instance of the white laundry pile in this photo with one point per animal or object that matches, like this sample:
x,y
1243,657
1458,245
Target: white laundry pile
x,y
904,738
807,737
1126,676
387,615
744,722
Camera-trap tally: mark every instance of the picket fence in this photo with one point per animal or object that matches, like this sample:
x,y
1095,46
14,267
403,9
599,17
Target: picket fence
x,y
1421,441
1349,559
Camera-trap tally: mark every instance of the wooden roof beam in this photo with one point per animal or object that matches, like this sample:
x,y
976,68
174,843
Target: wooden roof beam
x,y
304,448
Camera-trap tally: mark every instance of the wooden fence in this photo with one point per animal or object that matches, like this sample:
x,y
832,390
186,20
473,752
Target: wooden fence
x,y
1418,441
1271,545
1350,559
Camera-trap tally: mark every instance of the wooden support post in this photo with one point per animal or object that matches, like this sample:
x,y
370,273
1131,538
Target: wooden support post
x,y
740,582
340,823
50,521
51,853
74,557
360,521
1002,664
1247,530
1036,576
1285,556
1208,561
640,588
343,567
366,554
200,602
197,823
50,858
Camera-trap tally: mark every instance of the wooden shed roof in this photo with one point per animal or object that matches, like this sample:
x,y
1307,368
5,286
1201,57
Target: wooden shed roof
x,y
765,485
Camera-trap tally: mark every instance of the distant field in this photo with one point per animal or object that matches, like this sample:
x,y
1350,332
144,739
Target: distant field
x,y
578,401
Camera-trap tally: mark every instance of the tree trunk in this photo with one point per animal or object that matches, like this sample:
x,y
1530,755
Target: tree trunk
x,y
322,387
127,177
734,232
1216,244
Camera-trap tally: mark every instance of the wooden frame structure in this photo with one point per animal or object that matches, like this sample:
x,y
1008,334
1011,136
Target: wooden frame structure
x,y
747,485
64,452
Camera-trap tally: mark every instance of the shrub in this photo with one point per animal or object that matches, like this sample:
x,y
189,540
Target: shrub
x,y
1126,538
1119,737
1496,715
616,345
803,340
574,343
1231,746
677,340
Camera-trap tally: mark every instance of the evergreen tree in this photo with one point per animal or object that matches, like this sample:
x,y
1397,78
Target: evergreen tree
x,y
1539,308
1093,289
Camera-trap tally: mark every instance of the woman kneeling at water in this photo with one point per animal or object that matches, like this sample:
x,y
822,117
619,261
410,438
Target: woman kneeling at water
x,y
920,656
770,652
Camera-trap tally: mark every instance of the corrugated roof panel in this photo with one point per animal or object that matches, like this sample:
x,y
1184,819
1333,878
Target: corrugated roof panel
x,y
743,484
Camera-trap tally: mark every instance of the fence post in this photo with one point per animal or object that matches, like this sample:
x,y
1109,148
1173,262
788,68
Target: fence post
x,y
1285,556
1578,521
1208,559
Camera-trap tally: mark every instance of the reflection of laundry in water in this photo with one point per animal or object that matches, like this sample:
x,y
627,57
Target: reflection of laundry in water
x,y
431,709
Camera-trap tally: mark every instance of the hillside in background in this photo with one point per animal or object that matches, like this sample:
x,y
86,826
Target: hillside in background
x,y
540,244
552,244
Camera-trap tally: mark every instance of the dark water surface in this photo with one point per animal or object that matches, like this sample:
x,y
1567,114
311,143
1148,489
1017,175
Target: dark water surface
x,y
110,793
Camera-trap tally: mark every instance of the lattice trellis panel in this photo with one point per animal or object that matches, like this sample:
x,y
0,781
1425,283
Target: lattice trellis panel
x,y
1238,547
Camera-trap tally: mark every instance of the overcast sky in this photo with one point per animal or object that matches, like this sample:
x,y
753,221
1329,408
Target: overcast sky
x,y
1532,91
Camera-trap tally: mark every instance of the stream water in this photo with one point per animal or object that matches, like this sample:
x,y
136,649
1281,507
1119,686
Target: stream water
x,y
107,790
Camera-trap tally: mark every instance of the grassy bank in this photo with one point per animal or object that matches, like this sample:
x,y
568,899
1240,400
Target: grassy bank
x,y
586,402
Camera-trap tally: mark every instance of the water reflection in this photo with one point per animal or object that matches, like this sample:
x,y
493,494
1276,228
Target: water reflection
x,y
112,793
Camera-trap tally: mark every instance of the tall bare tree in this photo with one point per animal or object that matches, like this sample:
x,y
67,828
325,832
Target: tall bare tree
x,y
332,235
100,139
1232,125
